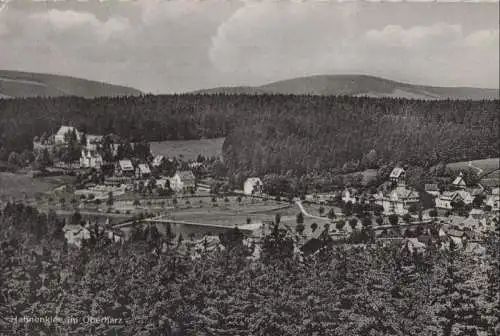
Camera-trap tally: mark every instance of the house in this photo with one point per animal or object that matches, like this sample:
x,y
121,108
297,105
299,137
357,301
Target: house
x,y
348,195
76,234
398,176
91,159
398,201
60,138
142,171
124,168
252,186
446,199
459,182
93,141
432,189
183,181
467,198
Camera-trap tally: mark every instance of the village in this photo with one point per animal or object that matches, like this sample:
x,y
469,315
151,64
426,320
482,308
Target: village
x,y
119,185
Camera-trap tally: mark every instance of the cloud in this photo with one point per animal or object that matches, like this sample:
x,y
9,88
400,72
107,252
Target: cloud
x,y
483,38
61,22
414,37
177,45
271,39
265,42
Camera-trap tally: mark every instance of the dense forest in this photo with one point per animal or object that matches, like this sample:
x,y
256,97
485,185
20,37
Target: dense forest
x,y
275,133
150,285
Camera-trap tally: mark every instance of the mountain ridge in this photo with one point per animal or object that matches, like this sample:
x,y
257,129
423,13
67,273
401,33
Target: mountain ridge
x,y
21,84
357,85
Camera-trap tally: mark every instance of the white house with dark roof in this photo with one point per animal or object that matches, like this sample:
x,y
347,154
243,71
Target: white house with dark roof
x,y
398,175
124,168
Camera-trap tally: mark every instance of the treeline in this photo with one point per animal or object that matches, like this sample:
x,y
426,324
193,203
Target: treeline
x,y
276,133
152,286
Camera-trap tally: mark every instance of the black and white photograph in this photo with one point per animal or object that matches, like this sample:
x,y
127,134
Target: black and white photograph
x,y
249,168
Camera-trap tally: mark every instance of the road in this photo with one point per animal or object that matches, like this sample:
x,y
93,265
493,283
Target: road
x,y
306,214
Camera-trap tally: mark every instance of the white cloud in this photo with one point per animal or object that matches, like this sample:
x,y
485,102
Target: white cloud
x,y
414,37
68,20
482,38
177,45
277,39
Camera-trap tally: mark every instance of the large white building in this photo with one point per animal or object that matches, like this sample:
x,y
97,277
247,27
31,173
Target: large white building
x,y
182,181
398,201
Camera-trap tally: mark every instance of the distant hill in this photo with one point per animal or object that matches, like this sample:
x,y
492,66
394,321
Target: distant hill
x,y
359,85
27,84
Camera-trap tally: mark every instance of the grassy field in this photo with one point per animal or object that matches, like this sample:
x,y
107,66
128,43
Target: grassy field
x,y
20,186
188,149
227,214
486,165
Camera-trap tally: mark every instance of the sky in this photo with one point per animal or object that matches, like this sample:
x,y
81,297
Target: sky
x,y
166,46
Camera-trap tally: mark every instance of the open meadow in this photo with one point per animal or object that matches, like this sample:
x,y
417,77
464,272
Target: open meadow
x,y
486,165
20,186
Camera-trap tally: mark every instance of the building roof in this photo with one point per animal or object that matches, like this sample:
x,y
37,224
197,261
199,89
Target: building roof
x,y
65,129
459,180
495,191
396,172
126,165
253,180
448,195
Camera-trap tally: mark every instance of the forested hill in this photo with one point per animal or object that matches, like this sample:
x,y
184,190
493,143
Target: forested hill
x,y
29,84
359,85
275,133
